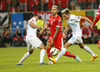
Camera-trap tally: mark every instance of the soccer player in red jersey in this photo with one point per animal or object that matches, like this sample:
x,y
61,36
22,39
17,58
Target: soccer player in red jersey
x,y
96,20
97,16
56,37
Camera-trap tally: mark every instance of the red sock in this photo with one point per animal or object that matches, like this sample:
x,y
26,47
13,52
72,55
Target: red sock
x,y
69,54
48,53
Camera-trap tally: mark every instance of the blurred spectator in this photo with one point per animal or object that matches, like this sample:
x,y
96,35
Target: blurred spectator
x,y
99,43
98,2
23,5
7,36
1,41
40,22
45,5
82,4
12,9
56,2
15,3
72,6
24,37
31,5
18,9
95,35
34,6
88,4
50,3
91,31
40,5
86,34
93,4
59,4
63,4
3,5
17,38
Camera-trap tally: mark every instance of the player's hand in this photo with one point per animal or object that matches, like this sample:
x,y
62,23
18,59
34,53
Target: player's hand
x,y
52,41
64,36
39,28
92,26
47,22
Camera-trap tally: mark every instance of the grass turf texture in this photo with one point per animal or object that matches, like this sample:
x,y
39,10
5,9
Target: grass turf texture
x,y
10,56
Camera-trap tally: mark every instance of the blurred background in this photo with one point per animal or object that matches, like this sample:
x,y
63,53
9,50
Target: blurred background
x,y
14,16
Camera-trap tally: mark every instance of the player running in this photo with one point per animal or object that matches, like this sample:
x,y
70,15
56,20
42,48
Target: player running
x,y
33,41
73,23
56,38
96,20
97,16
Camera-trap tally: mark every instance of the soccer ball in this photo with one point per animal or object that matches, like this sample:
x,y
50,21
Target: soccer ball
x,y
54,51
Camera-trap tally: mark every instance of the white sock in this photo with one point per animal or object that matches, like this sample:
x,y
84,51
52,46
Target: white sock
x,y
42,54
86,48
24,57
62,52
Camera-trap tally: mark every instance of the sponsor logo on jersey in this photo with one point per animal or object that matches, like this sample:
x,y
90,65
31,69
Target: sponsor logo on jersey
x,y
59,21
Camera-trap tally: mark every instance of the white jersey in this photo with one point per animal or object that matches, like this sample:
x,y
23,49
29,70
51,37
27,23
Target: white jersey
x,y
31,31
73,22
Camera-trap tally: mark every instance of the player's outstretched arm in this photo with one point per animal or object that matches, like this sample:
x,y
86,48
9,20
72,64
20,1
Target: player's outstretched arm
x,y
45,26
85,18
65,30
35,26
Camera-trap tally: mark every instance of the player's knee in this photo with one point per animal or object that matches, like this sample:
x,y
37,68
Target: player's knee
x,y
31,51
82,47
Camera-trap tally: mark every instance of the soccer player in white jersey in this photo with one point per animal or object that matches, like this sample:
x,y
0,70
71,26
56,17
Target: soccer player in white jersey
x,y
73,23
33,41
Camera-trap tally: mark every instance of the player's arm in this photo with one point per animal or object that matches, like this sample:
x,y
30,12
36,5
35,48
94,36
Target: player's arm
x,y
65,30
35,26
56,32
45,26
85,18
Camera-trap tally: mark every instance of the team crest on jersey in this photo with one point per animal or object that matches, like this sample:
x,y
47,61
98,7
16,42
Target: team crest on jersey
x,y
32,20
59,21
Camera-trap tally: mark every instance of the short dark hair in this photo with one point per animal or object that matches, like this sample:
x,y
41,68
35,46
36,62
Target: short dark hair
x,y
65,11
32,15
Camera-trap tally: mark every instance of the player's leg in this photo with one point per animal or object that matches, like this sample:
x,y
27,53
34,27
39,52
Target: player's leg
x,y
26,55
49,47
71,41
59,44
62,52
86,48
42,53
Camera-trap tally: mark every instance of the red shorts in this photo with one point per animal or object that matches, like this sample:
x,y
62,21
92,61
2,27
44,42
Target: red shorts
x,y
99,42
58,42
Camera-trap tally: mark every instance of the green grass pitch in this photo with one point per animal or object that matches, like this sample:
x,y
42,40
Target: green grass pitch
x,y
10,56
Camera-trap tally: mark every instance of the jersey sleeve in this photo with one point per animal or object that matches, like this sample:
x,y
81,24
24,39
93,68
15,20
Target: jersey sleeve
x,y
33,21
77,18
59,22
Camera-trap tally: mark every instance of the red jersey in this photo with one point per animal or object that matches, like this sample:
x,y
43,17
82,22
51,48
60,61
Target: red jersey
x,y
55,22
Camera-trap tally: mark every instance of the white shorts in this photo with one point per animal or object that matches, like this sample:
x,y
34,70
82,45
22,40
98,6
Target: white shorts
x,y
74,40
33,42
